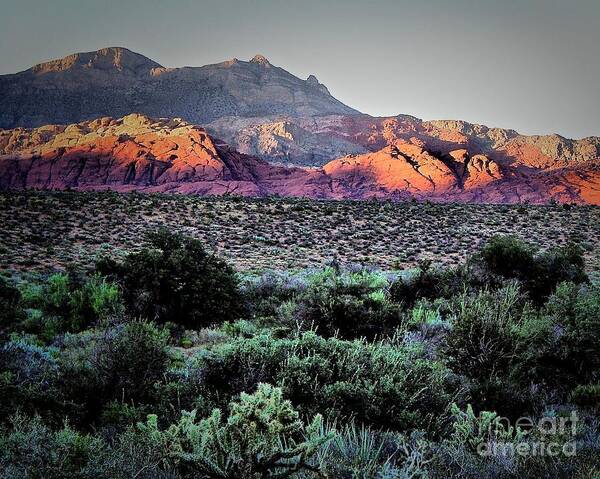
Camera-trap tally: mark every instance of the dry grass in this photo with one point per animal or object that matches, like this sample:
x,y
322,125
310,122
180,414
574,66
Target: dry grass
x,y
52,230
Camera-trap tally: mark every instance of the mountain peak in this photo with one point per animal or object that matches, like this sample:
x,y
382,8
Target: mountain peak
x,y
261,60
110,58
312,80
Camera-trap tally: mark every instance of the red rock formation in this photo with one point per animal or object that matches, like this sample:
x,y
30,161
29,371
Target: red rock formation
x,y
139,153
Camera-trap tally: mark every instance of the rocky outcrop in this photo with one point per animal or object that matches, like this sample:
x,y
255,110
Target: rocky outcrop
x,y
320,139
284,141
171,155
137,153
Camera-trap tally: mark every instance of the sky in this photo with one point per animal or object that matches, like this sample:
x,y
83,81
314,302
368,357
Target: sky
x,y
530,65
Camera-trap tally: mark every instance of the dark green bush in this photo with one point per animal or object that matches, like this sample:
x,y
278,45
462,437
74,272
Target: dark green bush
x,y
509,257
30,449
427,282
176,280
122,363
11,311
348,305
28,381
571,353
556,266
539,273
587,395
493,340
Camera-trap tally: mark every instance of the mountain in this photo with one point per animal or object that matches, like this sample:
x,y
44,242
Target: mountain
x,y
316,140
116,82
314,144
170,155
257,108
139,153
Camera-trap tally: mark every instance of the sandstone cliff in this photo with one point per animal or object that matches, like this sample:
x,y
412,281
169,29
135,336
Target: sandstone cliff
x,y
172,155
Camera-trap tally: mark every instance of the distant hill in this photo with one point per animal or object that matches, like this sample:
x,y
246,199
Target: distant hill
x,y
256,107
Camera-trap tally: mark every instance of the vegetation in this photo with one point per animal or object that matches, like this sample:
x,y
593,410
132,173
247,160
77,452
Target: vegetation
x,y
163,361
176,280
44,230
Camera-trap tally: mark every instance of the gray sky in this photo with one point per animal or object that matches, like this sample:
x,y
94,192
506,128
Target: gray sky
x,y
531,65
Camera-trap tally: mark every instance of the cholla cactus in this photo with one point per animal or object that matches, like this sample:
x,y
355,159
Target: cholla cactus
x,y
473,431
262,437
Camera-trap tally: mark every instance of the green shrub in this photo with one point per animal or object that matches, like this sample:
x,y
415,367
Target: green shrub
x,y
11,311
57,293
95,300
348,305
61,305
493,340
380,384
28,381
427,282
29,449
478,431
362,452
572,352
176,280
122,363
555,266
509,257
539,273
587,395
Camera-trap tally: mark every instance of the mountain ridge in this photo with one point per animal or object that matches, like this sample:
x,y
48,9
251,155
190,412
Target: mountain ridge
x,y
138,153
116,81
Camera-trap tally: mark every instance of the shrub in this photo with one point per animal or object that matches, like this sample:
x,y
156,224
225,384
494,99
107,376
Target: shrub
x,y
427,282
267,292
493,338
477,432
61,305
572,351
539,273
176,280
95,300
362,452
28,375
382,384
123,362
481,341
349,305
11,311
30,449
556,266
509,257
587,395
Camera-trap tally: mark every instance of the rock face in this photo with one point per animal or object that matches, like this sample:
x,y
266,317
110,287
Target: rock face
x,y
172,155
136,153
332,136
115,82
